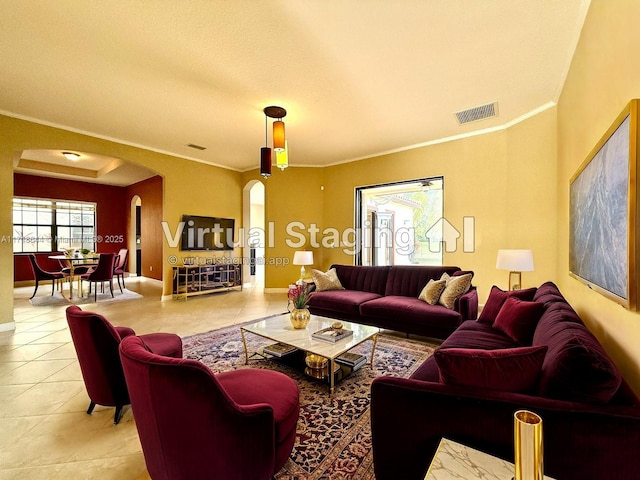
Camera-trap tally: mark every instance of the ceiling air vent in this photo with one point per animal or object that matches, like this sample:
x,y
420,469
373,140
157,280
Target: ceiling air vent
x,y
477,113
197,147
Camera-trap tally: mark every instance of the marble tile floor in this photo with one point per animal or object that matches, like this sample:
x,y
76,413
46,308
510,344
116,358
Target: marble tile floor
x,y
45,431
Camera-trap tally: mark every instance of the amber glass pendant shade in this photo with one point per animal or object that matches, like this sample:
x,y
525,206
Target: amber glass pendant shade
x,y
278,136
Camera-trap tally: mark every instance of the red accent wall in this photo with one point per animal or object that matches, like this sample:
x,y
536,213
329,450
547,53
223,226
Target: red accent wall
x,y
112,212
151,234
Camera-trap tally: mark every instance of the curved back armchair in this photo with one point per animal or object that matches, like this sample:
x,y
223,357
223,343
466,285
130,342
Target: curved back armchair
x,y
96,342
193,424
39,275
120,267
102,273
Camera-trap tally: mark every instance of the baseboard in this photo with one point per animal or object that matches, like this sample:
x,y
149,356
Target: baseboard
x,y
7,327
276,290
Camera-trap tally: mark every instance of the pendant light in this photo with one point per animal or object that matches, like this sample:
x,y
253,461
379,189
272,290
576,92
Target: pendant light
x,y
277,113
265,155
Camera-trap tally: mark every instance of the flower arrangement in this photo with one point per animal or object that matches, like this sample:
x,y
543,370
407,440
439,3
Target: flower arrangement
x,y
299,295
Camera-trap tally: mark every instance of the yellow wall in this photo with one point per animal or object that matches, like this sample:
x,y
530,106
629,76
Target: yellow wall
x,y
505,180
189,187
604,77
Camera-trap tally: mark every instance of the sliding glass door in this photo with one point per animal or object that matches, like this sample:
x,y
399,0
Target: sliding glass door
x,y
396,220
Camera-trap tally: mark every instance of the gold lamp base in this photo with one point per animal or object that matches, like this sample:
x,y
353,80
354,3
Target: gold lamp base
x,y
515,285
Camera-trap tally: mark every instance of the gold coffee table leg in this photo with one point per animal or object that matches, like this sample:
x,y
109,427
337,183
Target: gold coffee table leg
x,y
373,349
331,378
244,342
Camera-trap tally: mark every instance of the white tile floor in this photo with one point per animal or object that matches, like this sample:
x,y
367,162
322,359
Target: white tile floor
x,y
46,433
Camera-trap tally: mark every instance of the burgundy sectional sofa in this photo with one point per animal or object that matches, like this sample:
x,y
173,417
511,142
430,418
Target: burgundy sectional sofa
x,y
387,297
591,418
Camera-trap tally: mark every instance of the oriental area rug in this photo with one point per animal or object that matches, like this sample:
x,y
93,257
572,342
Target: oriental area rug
x,y
333,439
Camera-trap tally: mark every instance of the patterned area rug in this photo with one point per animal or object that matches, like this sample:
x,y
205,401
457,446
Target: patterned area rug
x,y
334,437
58,299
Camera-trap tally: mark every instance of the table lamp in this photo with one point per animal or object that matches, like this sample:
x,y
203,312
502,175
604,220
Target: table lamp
x,y
516,261
302,258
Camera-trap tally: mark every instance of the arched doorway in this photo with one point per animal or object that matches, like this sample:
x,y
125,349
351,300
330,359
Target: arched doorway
x,y
253,221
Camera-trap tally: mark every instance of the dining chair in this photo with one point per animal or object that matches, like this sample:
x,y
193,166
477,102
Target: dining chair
x,y
102,273
194,424
120,266
40,274
96,342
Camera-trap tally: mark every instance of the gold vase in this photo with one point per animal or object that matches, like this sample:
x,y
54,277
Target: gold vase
x,y
528,446
300,317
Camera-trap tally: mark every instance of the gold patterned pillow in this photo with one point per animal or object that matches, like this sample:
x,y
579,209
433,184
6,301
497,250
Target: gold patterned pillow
x,y
326,281
432,291
456,287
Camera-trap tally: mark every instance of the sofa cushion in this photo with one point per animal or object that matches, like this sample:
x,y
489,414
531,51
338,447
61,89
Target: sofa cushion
x,y
326,281
456,287
364,278
409,280
410,310
347,301
432,291
518,319
496,299
576,366
513,369
548,294
471,334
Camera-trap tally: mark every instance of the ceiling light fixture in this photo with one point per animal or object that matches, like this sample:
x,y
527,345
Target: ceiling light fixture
x,y
71,156
279,141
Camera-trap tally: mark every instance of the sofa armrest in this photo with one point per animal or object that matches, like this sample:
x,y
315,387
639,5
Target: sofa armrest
x,y
409,417
467,305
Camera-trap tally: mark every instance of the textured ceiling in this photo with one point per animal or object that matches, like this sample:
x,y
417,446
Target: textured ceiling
x,y
357,78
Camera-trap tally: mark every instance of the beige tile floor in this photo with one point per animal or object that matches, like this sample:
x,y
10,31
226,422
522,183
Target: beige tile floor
x,y
45,431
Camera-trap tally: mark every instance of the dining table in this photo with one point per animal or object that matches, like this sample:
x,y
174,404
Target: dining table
x,y
75,261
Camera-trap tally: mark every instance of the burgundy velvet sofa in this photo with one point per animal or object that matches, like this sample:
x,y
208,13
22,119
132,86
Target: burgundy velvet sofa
x,y
591,418
387,297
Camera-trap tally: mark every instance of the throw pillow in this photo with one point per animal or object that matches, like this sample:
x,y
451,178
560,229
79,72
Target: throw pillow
x,y
432,291
456,287
463,272
497,298
519,319
512,369
445,276
326,281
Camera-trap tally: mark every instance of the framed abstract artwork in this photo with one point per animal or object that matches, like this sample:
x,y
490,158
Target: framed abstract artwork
x,y
603,205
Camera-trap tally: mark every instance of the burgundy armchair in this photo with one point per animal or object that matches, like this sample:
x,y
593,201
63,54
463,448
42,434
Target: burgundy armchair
x,y
96,342
236,425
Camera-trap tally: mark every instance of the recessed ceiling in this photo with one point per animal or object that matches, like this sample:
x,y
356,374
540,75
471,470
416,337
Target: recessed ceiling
x,y
356,78
89,167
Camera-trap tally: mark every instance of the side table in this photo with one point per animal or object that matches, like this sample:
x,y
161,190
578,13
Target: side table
x,y
453,461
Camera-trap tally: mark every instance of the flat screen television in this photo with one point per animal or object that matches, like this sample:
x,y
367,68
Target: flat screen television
x,y
207,233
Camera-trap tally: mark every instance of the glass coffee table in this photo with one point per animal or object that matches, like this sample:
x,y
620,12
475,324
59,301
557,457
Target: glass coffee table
x,y
279,329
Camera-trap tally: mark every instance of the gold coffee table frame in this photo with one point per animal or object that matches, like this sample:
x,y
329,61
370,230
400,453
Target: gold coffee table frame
x,y
279,329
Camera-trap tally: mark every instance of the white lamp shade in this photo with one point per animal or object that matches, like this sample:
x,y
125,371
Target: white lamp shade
x,y
303,257
515,260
